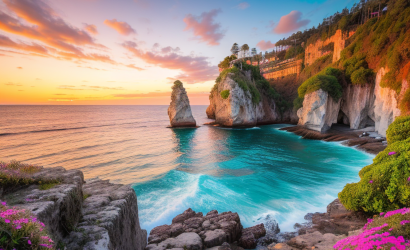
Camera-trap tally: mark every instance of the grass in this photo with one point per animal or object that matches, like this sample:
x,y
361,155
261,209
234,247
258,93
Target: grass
x,y
46,186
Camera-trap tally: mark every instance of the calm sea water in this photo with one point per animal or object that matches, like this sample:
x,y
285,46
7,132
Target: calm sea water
x,y
258,172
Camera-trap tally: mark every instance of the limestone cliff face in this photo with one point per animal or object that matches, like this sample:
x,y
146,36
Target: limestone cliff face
x,y
385,105
319,111
357,103
179,111
238,109
361,106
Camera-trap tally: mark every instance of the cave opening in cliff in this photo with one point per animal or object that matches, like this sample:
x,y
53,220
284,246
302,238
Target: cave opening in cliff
x,y
342,118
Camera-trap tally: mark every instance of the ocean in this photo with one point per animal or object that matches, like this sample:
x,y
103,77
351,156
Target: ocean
x,y
262,173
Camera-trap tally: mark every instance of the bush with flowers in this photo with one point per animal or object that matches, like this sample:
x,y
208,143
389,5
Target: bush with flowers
x,y
19,229
385,184
14,174
389,230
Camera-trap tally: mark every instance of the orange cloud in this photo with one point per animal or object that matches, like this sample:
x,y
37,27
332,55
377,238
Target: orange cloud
x,y
290,22
121,27
204,27
8,43
132,66
194,69
154,94
265,45
91,28
38,21
20,67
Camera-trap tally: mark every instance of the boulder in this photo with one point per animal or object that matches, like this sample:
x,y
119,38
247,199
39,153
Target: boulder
x,y
186,241
213,229
250,236
179,111
319,111
214,238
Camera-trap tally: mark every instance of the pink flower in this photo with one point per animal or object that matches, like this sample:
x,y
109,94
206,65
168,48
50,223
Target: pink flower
x,y
392,153
5,204
404,222
371,181
18,226
7,220
408,179
29,242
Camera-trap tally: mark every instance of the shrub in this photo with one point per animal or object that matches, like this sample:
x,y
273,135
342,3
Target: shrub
x,y
399,130
21,230
15,174
362,76
405,102
225,94
384,185
298,103
177,84
325,80
386,231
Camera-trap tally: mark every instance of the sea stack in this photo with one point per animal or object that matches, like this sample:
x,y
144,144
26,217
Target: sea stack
x,y
179,110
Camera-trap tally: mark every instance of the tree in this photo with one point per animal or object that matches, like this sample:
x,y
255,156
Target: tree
x,y
245,47
253,51
235,49
226,62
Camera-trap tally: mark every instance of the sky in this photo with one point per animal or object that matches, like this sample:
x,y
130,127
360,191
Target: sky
x,y
129,52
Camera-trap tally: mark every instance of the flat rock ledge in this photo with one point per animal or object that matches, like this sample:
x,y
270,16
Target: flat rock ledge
x,y
88,215
59,207
193,231
110,219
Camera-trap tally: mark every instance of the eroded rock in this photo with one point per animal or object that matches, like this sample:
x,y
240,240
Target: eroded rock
x,y
179,111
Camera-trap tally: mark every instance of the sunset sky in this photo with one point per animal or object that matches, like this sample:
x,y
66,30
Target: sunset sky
x,y
130,51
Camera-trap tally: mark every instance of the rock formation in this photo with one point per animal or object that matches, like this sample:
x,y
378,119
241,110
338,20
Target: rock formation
x,y
179,111
319,111
238,108
194,231
360,107
90,215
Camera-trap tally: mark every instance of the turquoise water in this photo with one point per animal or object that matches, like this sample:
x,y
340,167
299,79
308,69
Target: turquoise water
x,y
256,172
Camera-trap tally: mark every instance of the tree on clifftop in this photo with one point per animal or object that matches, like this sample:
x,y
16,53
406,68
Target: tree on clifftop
x,y
245,47
235,49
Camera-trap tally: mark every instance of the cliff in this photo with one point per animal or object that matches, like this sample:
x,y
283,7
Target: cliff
x,y
367,105
179,111
240,98
78,214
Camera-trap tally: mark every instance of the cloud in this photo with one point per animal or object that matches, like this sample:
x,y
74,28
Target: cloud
x,y
60,94
103,87
156,94
204,27
36,20
121,27
38,79
194,69
132,66
265,45
8,43
290,22
12,84
91,28
19,67
243,5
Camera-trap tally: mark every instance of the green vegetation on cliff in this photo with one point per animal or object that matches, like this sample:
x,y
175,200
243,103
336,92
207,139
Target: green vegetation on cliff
x,y
385,184
177,84
256,86
225,94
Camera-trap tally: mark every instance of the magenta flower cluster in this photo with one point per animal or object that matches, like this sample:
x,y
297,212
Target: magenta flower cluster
x,y
371,238
19,222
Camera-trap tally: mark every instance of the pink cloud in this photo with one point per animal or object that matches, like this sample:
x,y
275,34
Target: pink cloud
x,y
243,5
204,27
132,66
265,45
194,69
91,28
290,22
121,27
8,43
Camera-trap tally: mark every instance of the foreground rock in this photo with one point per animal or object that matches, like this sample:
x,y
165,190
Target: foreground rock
x,y
319,111
110,219
58,207
238,109
192,230
179,111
